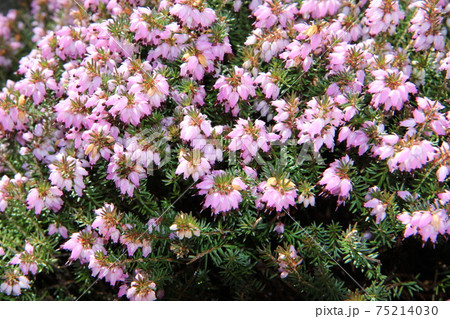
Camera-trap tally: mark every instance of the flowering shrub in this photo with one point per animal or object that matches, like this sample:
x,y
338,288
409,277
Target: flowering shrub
x,y
260,149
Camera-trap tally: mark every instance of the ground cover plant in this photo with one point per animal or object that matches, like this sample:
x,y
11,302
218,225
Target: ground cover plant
x,y
225,150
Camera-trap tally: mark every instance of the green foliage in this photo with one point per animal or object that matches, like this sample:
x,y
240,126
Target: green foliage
x,y
342,252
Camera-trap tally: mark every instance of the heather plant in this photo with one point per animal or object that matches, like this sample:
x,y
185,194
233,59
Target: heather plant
x,y
216,150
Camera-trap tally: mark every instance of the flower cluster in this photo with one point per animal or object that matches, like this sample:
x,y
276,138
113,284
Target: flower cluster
x,y
185,226
67,171
140,289
9,38
427,24
337,180
278,193
44,196
9,189
127,113
13,283
223,192
318,123
239,85
390,89
26,260
288,260
249,137
426,223
319,9
83,245
383,16
378,202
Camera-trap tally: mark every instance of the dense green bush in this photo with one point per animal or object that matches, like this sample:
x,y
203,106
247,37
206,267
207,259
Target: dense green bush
x,y
193,150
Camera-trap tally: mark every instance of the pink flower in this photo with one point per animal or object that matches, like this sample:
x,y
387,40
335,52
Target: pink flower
x,y
172,43
337,180
427,25
125,172
387,147
410,155
267,44
101,266
36,82
6,191
82,81
444,197
198,61
12,115
270,89
445,65
99,141
150,89
67,171
378,206
288,260
74,110
55,228
444,162
237,5
44,196
297,53
238,85
354,31
107,221
350,57
191,92
278,193
272,12
427,116
195,125
134,239
14,283
318,9
390,89
347,82
131,107
200,58
222,191
250,172
279,228
70,42
26,260
405,195
142,23
10,44
141,288
154,224
144,149
6,120
428,224
318,123
383,16
192,163
339,58
193,14
314,38
249,138
83,244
